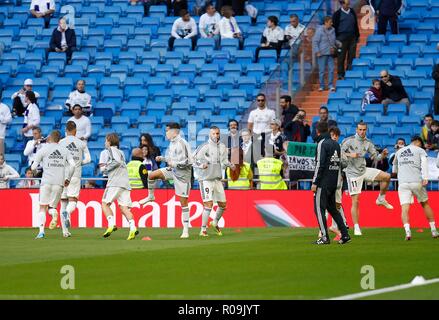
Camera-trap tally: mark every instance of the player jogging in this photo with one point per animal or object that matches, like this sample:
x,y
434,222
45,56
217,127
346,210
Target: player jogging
x,y
179,160
58,167
118,187
410,163
81,155
209,160
355,149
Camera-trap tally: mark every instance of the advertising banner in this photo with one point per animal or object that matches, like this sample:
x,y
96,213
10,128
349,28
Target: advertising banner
x,y
256,208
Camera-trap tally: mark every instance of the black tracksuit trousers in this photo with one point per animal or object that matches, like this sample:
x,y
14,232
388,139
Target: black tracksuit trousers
x,y
324,199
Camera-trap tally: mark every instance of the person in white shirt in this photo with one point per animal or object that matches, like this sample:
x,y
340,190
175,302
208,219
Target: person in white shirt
x,y
43,9
272,37
294,32
31,115
83,124
34,145
209,24
228,27
79,96
183,28
259,119
5,118
30,183
19,97
6,173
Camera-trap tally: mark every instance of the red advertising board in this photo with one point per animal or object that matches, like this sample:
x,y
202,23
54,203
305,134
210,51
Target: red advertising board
x,y
19,208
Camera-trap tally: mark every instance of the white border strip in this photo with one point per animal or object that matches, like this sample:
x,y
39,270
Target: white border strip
x,y
384,290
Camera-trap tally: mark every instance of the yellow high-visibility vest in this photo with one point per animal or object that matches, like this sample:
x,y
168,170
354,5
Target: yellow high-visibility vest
x,y
269,174
133,173
243,183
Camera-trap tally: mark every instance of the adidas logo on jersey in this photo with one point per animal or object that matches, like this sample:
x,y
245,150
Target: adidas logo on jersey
x,y
56,155
407,153
72,147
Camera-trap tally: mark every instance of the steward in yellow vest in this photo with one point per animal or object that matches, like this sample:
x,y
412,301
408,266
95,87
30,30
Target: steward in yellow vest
x,y
244,180
269,174
137,171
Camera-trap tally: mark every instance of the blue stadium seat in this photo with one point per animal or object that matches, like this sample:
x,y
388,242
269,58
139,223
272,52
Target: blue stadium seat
x,y
105,110
147,120
215,96
202,83
183,46
155,84
210,70
256,70
174,58
419,110
340,97
110,83
120,123
164,95
205,44
136,95
131,110
354,75
189,71
197,58
164,70
112,95
220,58
232,70
247,83
119,70
267,57
396,110
151,58
179,83
225,83
243,57
190,95
142,71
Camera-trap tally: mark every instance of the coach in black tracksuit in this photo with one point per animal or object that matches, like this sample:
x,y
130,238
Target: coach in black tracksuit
x,y
326,174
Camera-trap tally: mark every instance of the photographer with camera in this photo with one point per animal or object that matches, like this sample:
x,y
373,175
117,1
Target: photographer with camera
x,y
298,130
347,32
325,49
34,145
19,98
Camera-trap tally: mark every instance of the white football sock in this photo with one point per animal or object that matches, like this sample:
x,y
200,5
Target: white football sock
x,y
356,226
71,207
132,224
185,218
63,225
219,214
151,185
205,218
53,213
433,226
63,205
42,220
382,197
407,227
110,220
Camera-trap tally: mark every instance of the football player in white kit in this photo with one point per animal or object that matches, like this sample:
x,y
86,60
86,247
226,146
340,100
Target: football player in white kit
x,y
81,155
209,160
411,165
179,160
118,187
58,168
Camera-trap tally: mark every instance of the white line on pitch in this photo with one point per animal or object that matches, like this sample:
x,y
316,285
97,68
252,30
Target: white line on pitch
x,y
384,290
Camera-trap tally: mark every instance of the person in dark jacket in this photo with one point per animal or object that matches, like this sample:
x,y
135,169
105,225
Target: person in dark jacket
x,y
387,11
298,130
346,31
435,76
324,116
289,110
176,6
393,91
63,39
325,182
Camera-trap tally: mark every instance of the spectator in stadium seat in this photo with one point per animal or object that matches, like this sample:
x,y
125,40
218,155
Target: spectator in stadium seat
x,y
83,124
435,76
19,98
259,118
433,137
79,96
294,32
393,91
28,184
387,11
348,33
289,111
149,161
176,6
324,117
428,120
31,115
32,146
373,95
276,139
272,37
63,39
324,47
6,173
299,128
43,9
209,24
5,118
228,26
183,28
147,141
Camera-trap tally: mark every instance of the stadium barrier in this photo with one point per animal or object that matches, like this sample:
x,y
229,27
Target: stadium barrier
x,y
253,208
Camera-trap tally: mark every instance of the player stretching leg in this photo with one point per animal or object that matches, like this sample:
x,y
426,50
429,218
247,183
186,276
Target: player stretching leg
x,y
81,155
58,167
118,187
179,160
209,159
355,149
410,163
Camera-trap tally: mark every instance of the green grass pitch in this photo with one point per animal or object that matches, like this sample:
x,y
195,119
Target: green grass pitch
x,y
257,263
